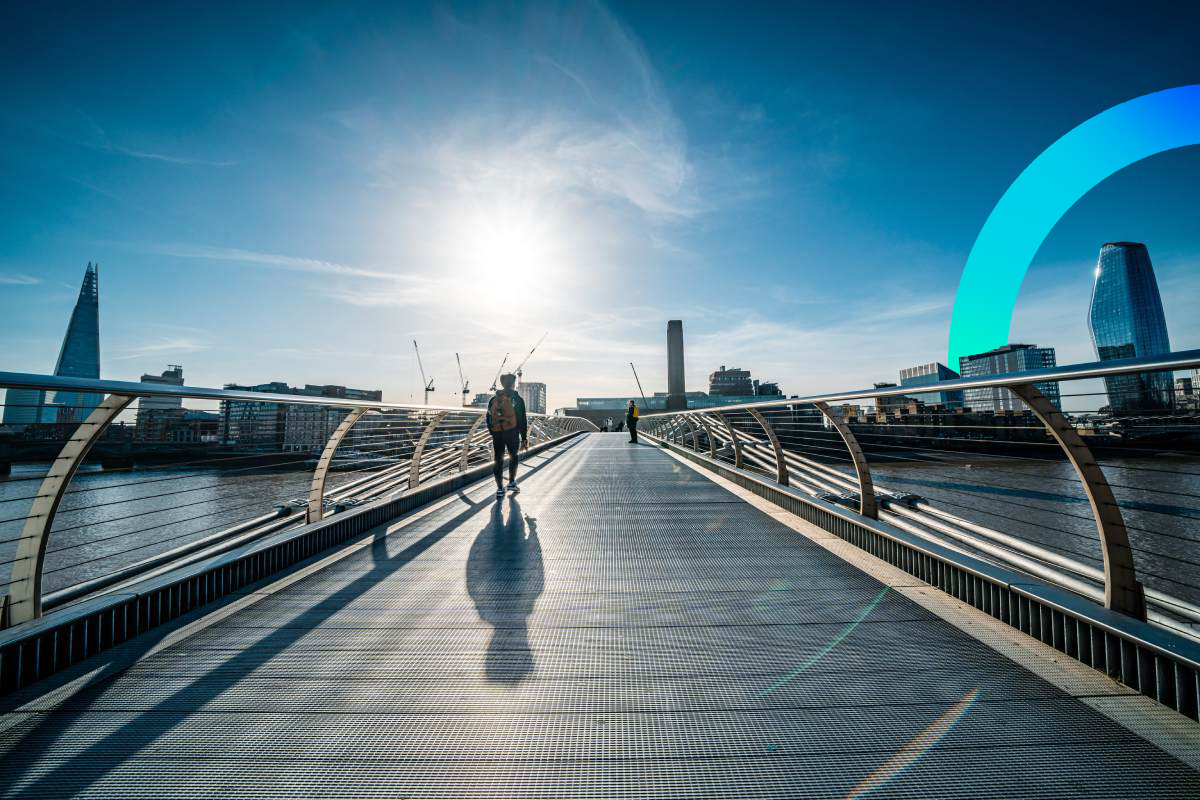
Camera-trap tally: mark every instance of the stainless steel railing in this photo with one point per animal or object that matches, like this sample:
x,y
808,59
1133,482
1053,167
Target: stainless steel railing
x,y
998,487
278,461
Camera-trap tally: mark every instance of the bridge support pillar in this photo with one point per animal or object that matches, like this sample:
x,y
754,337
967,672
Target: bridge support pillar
x,y
26,586
781,470
867,505
316,491
1122,592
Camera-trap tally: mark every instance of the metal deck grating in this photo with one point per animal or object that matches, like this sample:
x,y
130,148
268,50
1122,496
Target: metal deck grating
x,y
623,628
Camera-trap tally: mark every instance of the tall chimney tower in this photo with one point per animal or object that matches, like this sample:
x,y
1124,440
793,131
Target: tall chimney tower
x,y
676,394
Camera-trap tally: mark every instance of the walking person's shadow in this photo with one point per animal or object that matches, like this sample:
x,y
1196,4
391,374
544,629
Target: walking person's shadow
x,y
505,579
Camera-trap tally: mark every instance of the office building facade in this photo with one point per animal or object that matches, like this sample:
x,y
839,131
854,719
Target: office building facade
x,y
1126,320
1010,358
23,406
156,416
926,374
731,381
272,427
534,395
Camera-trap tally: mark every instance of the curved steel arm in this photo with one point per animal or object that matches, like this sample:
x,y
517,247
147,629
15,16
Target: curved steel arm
x,y
316,491
26,585
712,442
414,470
867,505
692,427
733,437
781,470
1122,592
466,451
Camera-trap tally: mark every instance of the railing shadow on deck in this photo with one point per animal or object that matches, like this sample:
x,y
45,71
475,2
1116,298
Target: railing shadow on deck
x,y
99,758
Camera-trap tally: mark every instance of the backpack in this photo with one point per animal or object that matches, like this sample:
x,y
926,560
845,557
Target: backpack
x,y
504,417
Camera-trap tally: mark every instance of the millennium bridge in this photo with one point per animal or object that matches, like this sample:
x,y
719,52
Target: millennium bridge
x,y
782,599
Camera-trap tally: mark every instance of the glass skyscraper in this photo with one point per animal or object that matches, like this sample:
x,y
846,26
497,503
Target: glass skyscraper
x,y
1126,321
1010,358
79,357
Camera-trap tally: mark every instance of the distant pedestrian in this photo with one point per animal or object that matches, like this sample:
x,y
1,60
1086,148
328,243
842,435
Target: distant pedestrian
x,y
620,426
506,420
631,420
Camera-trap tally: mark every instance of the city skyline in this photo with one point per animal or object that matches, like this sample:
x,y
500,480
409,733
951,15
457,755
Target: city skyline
x,y
1125,301
807,221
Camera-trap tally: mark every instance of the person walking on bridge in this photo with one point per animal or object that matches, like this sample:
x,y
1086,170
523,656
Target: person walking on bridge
x,y
506,420
631,419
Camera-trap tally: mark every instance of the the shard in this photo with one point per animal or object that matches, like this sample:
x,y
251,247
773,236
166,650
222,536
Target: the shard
x,y
79,357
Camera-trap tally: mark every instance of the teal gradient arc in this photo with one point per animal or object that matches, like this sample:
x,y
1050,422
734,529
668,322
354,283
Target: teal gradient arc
x,y
1037,199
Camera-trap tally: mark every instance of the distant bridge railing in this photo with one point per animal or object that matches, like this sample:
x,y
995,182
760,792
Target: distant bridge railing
x,y
191,484
995,485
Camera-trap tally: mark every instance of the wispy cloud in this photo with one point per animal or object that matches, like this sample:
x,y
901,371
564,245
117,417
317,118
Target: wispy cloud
x,y
18,279
274,260
172,346
81,129
169,159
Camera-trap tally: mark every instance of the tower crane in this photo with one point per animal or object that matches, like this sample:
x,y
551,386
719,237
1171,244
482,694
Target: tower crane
x,y
428,384
497,378
639,383
527,355
465,383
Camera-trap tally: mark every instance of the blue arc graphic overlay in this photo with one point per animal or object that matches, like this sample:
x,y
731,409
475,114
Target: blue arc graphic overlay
x,y
1037,199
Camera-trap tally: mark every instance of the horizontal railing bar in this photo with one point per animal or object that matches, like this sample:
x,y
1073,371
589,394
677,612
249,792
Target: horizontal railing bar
x,y
1184,359
27,380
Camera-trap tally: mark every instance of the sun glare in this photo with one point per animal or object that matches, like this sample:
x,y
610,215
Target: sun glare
x,y
504,254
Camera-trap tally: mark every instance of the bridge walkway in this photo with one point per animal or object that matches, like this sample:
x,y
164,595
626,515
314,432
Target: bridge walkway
x,y
623,626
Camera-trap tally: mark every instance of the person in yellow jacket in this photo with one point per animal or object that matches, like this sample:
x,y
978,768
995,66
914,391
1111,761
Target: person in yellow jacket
x,y
631,418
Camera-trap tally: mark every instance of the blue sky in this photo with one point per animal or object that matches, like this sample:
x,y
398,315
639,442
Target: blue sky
x,y
295,195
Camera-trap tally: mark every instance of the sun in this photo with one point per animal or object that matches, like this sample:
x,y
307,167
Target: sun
x,y
505,253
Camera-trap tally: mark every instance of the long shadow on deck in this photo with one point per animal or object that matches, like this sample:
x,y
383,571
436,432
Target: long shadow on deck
x,y
93,763
503,599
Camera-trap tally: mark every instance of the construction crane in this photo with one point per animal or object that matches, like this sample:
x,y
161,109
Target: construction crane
x,y
645,405
497,378
465,383
428,384
527,355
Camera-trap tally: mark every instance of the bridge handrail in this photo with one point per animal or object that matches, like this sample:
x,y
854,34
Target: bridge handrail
x,y
1183,359
443,439
58,383
1122,592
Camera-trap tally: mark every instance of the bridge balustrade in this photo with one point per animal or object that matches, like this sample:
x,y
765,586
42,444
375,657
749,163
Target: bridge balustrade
x,y
197,472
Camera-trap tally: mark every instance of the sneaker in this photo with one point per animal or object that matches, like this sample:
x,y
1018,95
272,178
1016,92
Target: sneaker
x,y
512,487
499,493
